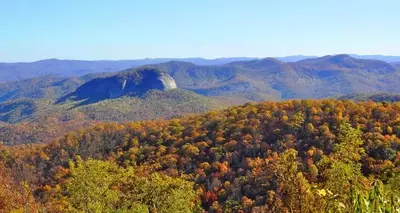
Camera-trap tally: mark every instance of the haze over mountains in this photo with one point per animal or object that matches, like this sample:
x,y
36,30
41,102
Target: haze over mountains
x,y
64,68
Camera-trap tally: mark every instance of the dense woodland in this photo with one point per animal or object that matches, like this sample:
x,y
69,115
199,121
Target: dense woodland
x,y
290,156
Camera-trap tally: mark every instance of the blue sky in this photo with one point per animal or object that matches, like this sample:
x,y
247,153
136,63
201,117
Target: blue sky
x,y
130,29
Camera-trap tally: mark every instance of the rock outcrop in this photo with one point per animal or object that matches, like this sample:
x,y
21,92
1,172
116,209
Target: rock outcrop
x,y
127,83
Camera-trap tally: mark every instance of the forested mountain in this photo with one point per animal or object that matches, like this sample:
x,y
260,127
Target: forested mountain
x,y
389,59
290,156
273,79
64,68
38,121
379,97
44,87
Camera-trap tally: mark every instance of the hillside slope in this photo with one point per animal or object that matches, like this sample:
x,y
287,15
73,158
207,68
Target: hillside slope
x,y
304,156
38,121
45,87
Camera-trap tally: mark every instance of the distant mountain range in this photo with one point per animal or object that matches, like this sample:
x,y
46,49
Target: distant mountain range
x,y
248,80
66,68
136,93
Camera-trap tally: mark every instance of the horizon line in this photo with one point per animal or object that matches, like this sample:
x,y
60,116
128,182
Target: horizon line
x,y
201,58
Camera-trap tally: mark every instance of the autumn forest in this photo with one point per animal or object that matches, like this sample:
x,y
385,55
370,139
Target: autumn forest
x,y
289,156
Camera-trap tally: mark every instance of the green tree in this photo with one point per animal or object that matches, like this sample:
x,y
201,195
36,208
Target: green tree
x,y
90,187
343,174
160,193
102,186
295,188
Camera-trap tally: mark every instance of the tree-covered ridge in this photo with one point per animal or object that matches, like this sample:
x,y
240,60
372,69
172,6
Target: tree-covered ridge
x,y
44,87
291,156
20,71
63,68
271,79
378,97
40,121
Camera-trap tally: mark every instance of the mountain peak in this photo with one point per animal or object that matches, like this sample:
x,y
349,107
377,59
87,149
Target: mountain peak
x,y
341,56
181,63
47,60
335,59
259,64
345,61
272,60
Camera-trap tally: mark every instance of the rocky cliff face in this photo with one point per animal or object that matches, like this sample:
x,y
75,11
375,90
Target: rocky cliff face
x,y
167,81
131,83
